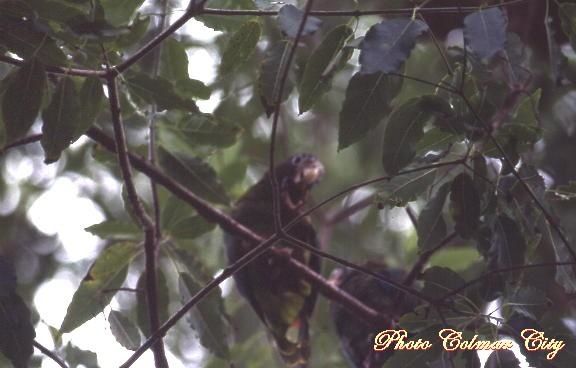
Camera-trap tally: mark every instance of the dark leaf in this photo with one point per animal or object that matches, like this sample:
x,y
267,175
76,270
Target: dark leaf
x,y
190,227
174,61
142,307
224,22
195,174
61,118
440,280
403,131
120,12
116,230
77,357
26,39
240,46
485,32
7,277
508,243
22,99
159,91
406,188
325,61
270,76
91,98
388,44
290,17
431,227
465,205
193,88
124,330
198,130
367,102
207,317
98,287
16,330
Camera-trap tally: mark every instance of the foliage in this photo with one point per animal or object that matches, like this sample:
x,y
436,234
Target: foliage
x,y
449,129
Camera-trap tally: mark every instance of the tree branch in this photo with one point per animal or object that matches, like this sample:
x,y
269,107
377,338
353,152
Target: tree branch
x,y
424,257
144,220
20,142
502,270
50,354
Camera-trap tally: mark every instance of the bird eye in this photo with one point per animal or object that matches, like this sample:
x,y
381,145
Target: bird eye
x,y
296,160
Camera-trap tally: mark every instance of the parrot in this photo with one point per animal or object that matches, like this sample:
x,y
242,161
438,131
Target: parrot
x,y
356,337
282,299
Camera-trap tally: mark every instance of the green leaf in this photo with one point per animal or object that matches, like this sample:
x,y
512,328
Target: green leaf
x,y
289,19
22,99
91,98
270,76
116,230
406,188
465,205
16,330
567,14
324,62
174,60
142,306
198,130
403,131
367,102
190,228
61,118
440,280
98,287
240,46
159,91
76,357
194,174
207,317
179,222
388,44
26,39
485,32
431,227
124,330
507,244
193,88
120,12
224,22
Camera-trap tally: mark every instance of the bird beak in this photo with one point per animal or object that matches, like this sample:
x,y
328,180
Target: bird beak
x,y
313,173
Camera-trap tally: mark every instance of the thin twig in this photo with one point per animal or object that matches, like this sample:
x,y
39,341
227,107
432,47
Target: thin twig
x,y
283,72
58,69
50,354
502,270
357,12
405,289
424,257
348,211
20,142
144,220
